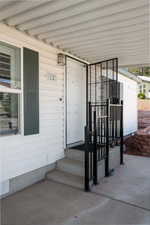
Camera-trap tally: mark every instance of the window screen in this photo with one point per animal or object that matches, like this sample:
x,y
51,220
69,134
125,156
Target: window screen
x,y
5,69
10,67
9,109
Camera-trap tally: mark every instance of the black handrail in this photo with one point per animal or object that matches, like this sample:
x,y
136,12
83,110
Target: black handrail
x,y
121,133
107,140
86,161
95,178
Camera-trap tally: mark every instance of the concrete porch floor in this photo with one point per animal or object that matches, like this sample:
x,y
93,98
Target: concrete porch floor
x,y
121,199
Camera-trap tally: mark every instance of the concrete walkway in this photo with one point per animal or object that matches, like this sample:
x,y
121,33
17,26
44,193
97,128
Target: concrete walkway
x,y
122,199
130,183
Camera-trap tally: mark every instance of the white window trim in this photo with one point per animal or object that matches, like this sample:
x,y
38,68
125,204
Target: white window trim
x,y
10,90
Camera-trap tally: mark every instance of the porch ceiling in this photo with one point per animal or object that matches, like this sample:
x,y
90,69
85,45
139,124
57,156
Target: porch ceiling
x,y
92,30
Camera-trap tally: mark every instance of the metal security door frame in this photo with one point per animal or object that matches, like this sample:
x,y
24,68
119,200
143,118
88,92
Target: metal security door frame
x,y
103,97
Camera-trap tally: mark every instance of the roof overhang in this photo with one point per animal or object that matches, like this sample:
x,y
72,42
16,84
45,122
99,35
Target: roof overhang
x,y
91,30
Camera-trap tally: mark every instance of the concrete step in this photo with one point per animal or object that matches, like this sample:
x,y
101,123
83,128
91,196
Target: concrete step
x,y
70,170
74,154
66,178
71,166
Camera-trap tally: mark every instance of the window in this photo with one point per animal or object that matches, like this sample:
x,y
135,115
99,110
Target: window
x,y
9,107
10,90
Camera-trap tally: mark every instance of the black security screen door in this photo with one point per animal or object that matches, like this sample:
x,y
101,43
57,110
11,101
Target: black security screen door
x,y
103,82
104,128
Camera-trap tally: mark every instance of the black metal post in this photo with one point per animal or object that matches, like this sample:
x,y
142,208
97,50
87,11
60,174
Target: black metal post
x,y
90,120
95,180
86,161
87,113
107,140
90,116
121,133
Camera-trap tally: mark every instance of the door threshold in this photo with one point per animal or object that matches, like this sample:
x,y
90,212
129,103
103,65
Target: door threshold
x,y
75,144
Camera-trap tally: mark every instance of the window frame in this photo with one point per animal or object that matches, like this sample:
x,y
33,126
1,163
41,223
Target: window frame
x,y
16,54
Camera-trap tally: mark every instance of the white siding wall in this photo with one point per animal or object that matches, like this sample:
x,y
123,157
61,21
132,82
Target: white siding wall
x,y
20,154
130,104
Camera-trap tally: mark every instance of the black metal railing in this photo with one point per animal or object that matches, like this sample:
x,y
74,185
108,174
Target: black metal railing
x,y
104,130
104,120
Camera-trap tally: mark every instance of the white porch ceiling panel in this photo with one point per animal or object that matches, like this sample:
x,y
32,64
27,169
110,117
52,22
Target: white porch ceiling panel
x,y
90,29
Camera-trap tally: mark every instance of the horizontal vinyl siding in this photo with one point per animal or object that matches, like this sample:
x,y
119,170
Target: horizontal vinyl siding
x,y
130,104
20,154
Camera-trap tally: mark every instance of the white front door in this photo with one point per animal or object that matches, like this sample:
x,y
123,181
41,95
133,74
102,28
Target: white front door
x,y
76,101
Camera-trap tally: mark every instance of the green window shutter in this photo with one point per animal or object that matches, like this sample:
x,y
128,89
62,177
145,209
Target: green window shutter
x,y
31,91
